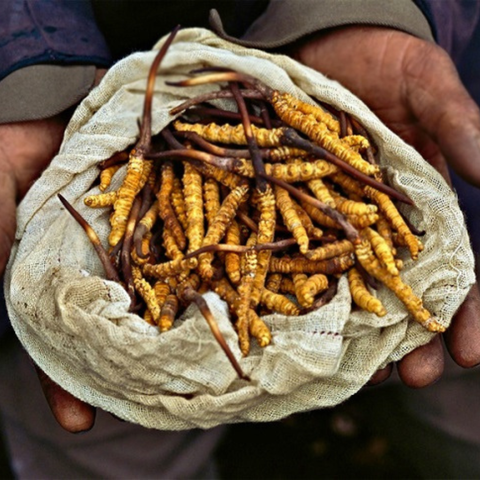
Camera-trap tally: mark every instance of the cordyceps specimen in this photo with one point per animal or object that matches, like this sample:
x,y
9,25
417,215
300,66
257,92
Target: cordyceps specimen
x,y
267,210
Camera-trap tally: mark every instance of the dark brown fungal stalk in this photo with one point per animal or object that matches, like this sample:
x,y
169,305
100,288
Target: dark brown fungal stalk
x,y
223,163
350,232
211,147
110,271
147,199
219,94
223,247
145,138
126,250
343,125
293,139
189,296
116,159
205,112
246,220
258,165
138,167
265,115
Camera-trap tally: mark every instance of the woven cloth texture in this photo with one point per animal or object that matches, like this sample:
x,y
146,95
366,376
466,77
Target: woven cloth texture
x,y
76,325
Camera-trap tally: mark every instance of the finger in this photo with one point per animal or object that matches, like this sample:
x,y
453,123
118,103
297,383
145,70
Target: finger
x,y
444,108
437,160
423,366
380,375
71,413
7,216
430,151
462,338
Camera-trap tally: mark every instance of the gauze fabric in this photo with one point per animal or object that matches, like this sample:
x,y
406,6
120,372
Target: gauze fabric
x,y
76,325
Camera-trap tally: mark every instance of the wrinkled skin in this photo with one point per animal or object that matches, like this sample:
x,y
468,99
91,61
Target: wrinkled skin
x,y
413,86
410,84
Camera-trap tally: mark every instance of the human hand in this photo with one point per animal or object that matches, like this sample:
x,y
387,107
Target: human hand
x,y
26,148
413,87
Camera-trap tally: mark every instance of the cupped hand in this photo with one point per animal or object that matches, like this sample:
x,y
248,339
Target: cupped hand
x,y
413,87
26,148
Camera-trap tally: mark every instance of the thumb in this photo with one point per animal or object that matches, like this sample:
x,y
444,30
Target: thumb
x,y
444,109
72,414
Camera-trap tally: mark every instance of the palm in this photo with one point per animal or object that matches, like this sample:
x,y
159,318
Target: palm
x,y
27,148
413,87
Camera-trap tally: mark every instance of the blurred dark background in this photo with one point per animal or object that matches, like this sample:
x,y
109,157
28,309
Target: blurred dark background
x,y
352,440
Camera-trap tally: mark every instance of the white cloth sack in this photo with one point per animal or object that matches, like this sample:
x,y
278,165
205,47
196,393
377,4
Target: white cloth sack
x,y
76,325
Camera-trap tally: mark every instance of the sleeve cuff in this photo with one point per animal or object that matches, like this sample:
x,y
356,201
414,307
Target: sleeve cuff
x,y
284,22
42,91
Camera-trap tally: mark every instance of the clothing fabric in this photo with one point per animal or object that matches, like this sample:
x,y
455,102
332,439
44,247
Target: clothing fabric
x,y
284,22
87,33
66,32
35,39
453,23
50,31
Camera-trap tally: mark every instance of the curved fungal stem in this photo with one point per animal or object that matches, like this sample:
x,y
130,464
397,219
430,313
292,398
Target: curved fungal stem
x,y
138,168
110,271
257,160
292,139
246,220
145,137
264,114
224,163
227,76
126,249
224,247
350,231
211,147
116,159
206,97
206,112
189,295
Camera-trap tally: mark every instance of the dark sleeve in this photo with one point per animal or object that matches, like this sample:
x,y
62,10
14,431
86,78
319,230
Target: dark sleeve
x,y
285,21
36,38
453,22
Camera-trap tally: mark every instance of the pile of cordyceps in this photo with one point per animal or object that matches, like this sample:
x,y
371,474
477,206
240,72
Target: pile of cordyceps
x,y
266,204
